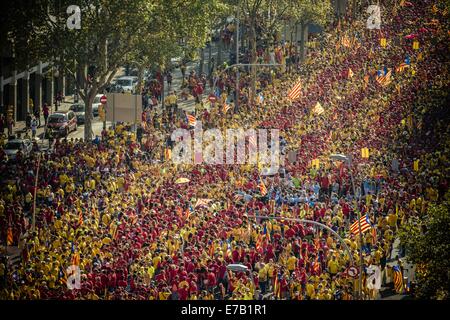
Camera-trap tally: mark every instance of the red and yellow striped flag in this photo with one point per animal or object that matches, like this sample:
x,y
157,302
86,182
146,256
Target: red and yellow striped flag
x,y
226,107
76,259
295,92
262,188
191,120
10,237
80,218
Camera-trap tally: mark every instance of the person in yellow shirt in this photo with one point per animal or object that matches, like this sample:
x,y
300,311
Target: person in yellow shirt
x,y
310,290
333,266
263,277
291,263
392,220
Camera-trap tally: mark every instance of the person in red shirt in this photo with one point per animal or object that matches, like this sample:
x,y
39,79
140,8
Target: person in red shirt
x,y
212,282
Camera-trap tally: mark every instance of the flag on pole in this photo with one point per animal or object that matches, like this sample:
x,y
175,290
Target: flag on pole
x,y
316,266
398,279
365,225
9,237
385,79
277,286
76,259
191,120
262,187
226,107
374,235
401,67
80,218
295,92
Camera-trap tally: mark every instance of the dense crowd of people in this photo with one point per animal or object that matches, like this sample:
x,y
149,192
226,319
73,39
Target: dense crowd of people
x,y
117,209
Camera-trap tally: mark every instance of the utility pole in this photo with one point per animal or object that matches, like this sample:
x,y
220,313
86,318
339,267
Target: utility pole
x,y
33,223
236,103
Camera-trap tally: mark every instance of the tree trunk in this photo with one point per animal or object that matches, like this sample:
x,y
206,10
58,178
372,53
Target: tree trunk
x,y
202,61
209,59
303,39
219,51
140,79
88,100
242,38
253,61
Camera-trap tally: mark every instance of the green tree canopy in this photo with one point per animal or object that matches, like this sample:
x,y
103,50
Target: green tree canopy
x,y
427,242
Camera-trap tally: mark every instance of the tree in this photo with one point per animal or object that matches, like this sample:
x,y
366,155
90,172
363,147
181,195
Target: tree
x,y
177,27
305,12
427,244
91,55
113,33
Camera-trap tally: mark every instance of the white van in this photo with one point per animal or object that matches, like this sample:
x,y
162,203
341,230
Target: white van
x,y
127,83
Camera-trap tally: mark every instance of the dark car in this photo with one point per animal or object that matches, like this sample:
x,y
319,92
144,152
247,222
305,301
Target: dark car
x,y
79,110
62,123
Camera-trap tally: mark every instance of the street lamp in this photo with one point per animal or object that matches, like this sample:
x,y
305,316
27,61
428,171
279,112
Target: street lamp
x,y
33,224
347,159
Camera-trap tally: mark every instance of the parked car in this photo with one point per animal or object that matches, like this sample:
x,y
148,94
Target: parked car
x,y
62,123
128,83
13,146
79,110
